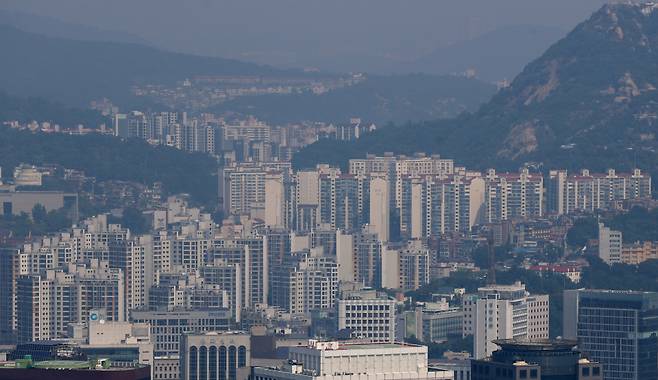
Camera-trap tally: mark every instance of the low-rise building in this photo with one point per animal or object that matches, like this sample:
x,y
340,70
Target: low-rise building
x,y
538,360
215,355
353,361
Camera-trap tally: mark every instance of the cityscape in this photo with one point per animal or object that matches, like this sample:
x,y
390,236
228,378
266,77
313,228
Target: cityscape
x,y
170,214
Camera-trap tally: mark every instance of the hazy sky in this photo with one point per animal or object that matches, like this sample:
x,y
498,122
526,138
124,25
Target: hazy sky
x,y
306,32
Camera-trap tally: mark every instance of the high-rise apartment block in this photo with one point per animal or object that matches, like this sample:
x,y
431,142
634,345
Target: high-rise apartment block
x,y
305,281
48,302
513,195
434,205
587,192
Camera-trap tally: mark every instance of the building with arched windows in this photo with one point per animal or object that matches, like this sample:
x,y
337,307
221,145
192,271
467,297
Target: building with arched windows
x,y
215,356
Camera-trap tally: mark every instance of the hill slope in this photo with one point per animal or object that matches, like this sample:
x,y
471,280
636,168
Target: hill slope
x,y
500,54
380,99
589,100
52,27
108,158
38,109
74,72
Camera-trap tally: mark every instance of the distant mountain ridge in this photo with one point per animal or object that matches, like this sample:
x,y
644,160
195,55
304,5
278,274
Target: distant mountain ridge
x,y
497,55
589,101
52,27
75,72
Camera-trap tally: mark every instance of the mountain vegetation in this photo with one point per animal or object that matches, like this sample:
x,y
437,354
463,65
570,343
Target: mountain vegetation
x,y
38,109
588,101
380,99
639,224
108,158
74,72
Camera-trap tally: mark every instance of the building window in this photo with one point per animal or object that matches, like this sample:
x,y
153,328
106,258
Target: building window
x,y
203,363
232,356
523,374
222,363
586,371
212,363
242,356
193,364
533,373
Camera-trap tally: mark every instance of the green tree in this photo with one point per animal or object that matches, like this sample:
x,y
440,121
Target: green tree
x,y
134,220
39,213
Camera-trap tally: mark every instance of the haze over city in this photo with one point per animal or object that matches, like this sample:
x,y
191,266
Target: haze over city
x,y
328,190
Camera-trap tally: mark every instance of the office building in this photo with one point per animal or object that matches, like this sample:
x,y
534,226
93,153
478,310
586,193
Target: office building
x,y
535,359
124,342
431,323
367,315
100,369
214,356
504,312
168,326
616,328
346,360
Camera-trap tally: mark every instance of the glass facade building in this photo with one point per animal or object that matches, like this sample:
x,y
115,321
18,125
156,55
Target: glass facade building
x,y
617,328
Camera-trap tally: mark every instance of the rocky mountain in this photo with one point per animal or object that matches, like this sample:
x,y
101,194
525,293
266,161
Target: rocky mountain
x,y
589,101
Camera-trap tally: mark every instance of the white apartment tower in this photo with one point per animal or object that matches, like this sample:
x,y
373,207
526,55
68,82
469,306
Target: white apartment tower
x,y
610,245
379,206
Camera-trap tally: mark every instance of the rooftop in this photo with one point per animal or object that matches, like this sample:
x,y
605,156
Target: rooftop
x,y
536,345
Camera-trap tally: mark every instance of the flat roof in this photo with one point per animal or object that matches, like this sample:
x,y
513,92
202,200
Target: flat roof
x,y
369,346
536,345
68,364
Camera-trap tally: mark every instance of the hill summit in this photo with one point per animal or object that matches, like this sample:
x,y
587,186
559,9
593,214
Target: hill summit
x,y
589,100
